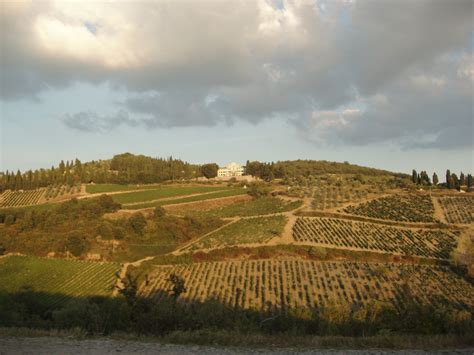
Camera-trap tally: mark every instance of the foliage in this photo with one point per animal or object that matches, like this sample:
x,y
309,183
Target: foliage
x,y
209,170
258,189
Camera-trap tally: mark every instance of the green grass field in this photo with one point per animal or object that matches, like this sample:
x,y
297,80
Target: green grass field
x,y
163,192
256,207
103,188
218,194
57,279
245,231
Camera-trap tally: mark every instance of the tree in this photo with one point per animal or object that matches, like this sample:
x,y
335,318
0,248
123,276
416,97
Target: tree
x,y
178,285
435,179
414,176
449,182
469,181
76,244
462,179
137,222
159,212
209,170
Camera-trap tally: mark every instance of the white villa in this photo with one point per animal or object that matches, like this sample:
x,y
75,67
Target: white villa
x,y
231,170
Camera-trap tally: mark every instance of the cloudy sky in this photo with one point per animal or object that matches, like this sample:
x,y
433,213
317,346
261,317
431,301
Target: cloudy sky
x,y
379,83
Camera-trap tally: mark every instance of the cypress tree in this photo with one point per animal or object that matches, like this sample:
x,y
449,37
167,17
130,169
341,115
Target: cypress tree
x,y
414,176
435,179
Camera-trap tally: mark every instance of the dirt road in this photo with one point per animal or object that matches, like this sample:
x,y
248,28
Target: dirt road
x,y
53,345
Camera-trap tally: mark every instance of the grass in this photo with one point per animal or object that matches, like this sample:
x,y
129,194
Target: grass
x,y
218,194
163,192
256,207
245,231
56,278
103,188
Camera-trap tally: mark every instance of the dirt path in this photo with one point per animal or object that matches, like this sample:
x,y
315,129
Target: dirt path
x,y
438,214
57,345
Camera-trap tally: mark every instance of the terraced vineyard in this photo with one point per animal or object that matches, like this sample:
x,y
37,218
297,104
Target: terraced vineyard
x,y
164,192
33,197
58,279
326,197
284,284
406,208
185,199
458,209
254,207
374,237
21,198
244,231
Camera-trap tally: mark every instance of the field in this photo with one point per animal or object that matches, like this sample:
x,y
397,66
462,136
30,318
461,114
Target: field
x,y
328,197
57,278
22,198
163,192
186,199
255,207
458,209
244,231
284,284
371,236
104,188
405,208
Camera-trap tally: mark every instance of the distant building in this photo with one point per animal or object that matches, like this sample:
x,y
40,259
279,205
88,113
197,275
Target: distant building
x,y
230,170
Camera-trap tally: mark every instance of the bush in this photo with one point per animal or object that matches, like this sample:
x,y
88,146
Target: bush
x,y
258,190
159,212
138,223
76,243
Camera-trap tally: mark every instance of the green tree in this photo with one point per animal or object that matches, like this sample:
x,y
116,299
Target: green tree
x,y
178,285
414,176
449,182
138,223
209,170
76,244
435,179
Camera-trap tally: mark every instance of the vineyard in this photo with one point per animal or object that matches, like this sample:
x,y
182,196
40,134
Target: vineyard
x,y
458,209
374,237
21,198
186,199
33,197
244,231
163,192
58,279
326,197
284,284
254,207
405,208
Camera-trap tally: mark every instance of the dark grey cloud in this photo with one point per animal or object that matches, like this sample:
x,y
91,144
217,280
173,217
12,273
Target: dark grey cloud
x,y
405,65
92,122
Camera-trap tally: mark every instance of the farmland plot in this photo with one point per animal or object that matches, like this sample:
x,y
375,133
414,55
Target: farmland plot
x,y
326,197
283,284
405,208
57,278
21,198
374,237
458,209
246,231
163,192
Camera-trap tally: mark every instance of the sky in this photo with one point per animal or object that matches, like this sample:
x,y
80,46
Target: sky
x,y
386,84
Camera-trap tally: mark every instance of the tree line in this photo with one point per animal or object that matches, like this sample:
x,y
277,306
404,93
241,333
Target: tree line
x,y
452,181
121,169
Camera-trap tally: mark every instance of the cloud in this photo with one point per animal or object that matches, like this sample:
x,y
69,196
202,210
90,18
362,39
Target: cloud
x,y
309,62
92,122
